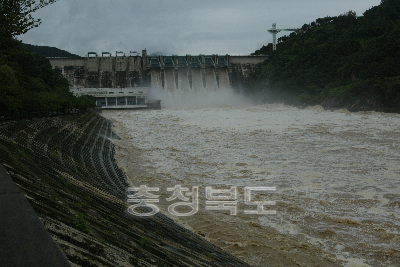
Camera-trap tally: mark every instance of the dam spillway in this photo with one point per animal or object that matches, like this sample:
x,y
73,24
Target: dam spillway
x,y
189,74
189,80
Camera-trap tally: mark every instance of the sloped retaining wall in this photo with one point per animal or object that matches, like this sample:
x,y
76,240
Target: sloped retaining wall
x,y
66,168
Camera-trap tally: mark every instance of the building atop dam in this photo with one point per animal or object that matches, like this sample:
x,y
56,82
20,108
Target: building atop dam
x,y
124,81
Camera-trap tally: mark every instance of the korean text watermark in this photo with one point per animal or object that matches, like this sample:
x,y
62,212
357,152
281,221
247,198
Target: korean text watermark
x,y
216,199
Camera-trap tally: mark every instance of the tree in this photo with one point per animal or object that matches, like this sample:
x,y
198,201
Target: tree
x,y
16,16
9,90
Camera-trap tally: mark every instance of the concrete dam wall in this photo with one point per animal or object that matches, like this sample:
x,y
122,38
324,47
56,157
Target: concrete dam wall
x,y
175,74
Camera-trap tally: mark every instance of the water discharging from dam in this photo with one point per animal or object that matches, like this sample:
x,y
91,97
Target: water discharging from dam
x,y
183,81
188,88
336,173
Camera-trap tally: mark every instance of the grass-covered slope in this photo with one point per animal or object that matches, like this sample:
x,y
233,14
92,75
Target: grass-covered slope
x,y
345,61
66,168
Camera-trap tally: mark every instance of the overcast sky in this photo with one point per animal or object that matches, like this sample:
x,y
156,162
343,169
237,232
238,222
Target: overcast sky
x,y
176,26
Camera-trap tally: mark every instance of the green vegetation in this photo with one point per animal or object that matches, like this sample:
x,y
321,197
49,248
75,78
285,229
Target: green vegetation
x,y
28,84
209,256
82,224
48,51
344,61
145,243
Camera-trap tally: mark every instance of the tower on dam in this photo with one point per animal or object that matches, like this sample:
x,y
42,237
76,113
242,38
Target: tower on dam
x,y
274,31
123,81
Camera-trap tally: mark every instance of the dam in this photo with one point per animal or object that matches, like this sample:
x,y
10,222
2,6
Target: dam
x,y
123,81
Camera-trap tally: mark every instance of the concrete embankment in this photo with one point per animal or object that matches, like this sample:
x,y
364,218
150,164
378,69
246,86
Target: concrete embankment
x,y
67,171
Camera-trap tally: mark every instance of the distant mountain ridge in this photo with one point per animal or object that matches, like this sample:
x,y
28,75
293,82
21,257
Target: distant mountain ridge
x,y
48,51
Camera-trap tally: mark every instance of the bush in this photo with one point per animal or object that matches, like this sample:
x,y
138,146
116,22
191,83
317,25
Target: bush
x,y
82,224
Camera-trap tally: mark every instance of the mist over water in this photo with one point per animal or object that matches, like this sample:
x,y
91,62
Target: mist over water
x,y
199,99
337,175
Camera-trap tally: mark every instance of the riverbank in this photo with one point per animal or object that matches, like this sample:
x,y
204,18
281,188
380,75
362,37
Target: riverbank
x,y
66,168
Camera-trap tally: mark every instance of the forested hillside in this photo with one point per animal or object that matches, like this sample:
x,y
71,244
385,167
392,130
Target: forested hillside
x,y
48,51
28,85
344,61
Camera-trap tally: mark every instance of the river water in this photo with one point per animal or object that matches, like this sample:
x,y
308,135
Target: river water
x,y
336,176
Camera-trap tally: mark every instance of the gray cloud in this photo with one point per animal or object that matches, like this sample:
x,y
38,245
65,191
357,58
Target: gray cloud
x,y
176,26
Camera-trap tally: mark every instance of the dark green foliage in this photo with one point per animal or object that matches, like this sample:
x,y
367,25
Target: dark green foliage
x,y
145,243
82,224
346,58
265,50
48,51
29,84
85,101
9,89
209,256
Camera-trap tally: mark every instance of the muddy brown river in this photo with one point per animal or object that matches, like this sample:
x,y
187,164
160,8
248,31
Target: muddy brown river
x,y
336,177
